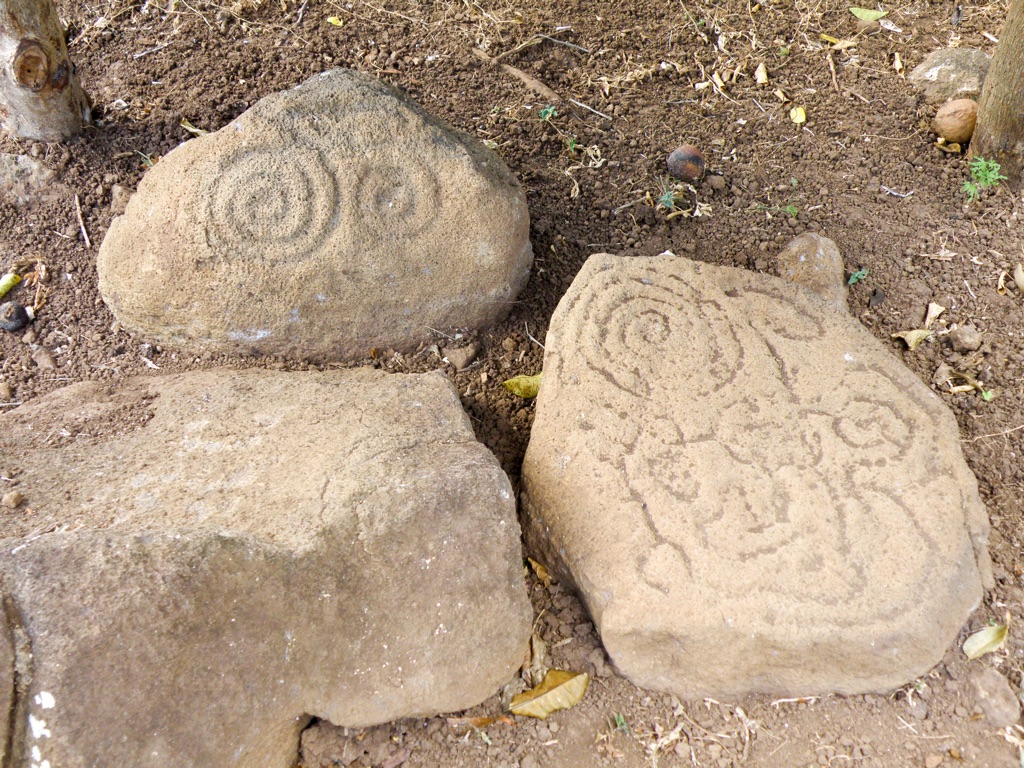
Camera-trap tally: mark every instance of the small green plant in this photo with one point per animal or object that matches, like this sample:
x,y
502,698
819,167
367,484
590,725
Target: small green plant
x,y
670,195
547,113
984,174
621,724
857,276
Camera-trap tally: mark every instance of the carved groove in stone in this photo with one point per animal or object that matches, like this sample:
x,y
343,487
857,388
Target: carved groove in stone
x,y
271,202
696,474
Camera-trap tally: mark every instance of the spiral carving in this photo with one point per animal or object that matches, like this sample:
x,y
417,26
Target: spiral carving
x,y
279,205
696,374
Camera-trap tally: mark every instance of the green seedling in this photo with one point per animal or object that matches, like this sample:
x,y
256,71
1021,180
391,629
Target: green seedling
x,y
857,276
547,113
984,174
790,209
621,724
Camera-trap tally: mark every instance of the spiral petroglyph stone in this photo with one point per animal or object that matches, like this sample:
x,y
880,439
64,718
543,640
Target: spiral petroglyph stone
x,y
326,221
751,493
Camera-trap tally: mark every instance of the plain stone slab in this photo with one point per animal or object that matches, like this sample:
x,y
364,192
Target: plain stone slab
x,y
215,558
951,73
325,222
750,492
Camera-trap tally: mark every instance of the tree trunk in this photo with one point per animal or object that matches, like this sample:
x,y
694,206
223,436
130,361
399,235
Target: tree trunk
x,y
999,134
40,97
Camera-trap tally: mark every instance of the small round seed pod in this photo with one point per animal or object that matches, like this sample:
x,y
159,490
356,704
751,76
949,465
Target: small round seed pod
x,y
686,163
13,316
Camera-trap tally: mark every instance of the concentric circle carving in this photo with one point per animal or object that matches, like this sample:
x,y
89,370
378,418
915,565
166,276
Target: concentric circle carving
x,y
281,205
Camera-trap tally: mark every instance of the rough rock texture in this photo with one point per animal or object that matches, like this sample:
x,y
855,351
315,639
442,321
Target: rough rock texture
x,y
751,493
228,554
27,182
951,73
995,696
814,261
327,220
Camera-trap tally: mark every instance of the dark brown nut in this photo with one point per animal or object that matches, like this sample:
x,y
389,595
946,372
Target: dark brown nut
x,y
686,163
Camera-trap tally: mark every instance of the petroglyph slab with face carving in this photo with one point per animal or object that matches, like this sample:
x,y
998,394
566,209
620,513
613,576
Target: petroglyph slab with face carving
x,y
326,221
752,494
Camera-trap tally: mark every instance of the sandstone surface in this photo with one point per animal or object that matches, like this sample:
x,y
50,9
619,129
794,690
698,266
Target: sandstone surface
x,y
324,222
750,492
215,558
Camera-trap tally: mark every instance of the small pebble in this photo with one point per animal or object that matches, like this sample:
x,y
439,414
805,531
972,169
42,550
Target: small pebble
x,y
932,761
44,359
12,499
6,393
13,316
966,338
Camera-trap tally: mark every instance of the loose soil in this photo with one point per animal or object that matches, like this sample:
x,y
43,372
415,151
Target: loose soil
x,y
646,72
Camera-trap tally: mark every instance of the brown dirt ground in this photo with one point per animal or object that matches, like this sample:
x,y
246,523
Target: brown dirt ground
x,y
637,63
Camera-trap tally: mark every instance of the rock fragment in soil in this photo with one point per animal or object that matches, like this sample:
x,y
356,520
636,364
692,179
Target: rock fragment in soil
x,y
951,73
25,182
995,697
13,316
814,261
966,338
324,222
12,499
44,359
461,357
245,550
750,492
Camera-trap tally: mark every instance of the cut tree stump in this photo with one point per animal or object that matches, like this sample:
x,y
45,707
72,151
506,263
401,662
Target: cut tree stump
x,y
40,96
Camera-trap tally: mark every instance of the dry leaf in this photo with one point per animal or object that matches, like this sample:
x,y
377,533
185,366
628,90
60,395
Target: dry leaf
x,y
335,21
780,95
477,723
842,45
866,14
560,690
1018,277
798,115
888,25
913,338
987,640
897,63
1001,283
191,128
761,74
543,575
934,310
536,670
523,386
829,38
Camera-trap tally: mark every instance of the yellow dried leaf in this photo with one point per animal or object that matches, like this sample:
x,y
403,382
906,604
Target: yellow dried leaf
x,y
829,38
842,45
335,21
1001,283
191,128
934,310
987,640
897,63
798,115
559,690
866,14
543,575
523,386
913,338
761,74
8,281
